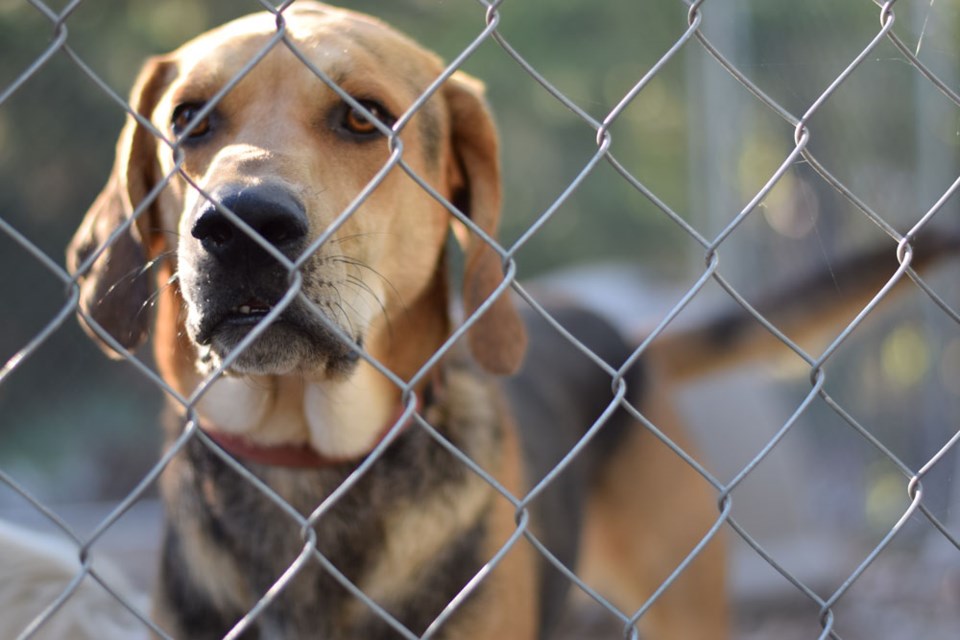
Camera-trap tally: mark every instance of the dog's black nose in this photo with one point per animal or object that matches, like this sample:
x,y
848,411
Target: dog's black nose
x,y
278,216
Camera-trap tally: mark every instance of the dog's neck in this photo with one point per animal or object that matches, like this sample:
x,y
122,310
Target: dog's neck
x,y
298,420
299,456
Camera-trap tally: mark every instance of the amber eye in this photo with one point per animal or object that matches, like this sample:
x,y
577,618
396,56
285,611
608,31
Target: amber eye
x,y
183,115
357,123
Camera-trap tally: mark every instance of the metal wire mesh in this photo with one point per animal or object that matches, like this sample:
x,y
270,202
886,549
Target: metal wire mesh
x,y
489,30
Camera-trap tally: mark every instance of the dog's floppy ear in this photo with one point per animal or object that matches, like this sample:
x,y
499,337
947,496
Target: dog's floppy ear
x,y
498,339
115,290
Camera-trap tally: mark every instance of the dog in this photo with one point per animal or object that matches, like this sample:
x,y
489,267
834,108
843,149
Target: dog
x,y
299,407
303,281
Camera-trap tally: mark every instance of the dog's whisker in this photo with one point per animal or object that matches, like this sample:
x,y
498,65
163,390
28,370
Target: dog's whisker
x,y
362,265
359,284
163,255
138,271
152,298
357,236
343,312
362,286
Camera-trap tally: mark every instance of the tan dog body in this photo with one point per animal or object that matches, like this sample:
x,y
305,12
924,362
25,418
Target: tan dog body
x,y
286,154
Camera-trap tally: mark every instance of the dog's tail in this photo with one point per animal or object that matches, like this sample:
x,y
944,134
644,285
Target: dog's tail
x,y
35,570
806,309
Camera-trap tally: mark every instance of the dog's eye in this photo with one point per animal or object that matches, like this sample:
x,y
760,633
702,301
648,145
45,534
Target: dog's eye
x,y
357,123
183,115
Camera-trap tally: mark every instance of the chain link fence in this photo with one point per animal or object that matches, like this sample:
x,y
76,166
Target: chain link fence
x,y
752,161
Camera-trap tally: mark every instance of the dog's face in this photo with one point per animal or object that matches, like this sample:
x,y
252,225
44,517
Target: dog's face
x,y
253,135
287,154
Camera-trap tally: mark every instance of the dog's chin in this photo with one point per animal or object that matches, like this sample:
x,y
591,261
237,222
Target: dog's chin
x,y
281,349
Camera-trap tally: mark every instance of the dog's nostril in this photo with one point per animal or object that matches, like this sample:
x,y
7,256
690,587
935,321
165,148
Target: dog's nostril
x,y
282,231
213,228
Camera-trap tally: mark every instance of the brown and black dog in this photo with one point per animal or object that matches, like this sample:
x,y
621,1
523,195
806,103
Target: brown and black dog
x,y
286,155
284,303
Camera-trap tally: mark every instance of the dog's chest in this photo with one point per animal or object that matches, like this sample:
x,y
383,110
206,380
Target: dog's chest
x,y
408,535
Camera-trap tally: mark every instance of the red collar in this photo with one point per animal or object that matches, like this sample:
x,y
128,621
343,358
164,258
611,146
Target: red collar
x,y
300,456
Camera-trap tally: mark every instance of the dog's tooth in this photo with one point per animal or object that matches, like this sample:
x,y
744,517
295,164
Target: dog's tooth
x,y
244,309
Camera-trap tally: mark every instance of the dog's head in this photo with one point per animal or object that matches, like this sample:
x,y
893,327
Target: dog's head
x,y
241,202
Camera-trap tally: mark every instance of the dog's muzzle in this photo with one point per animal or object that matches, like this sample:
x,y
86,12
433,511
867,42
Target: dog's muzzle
x,y
231,281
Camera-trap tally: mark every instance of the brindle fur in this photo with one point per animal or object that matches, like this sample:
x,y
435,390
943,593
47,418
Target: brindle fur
x,y
259,540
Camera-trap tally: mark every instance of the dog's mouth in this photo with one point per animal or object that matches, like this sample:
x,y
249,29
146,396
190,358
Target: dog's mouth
x,y
247,314
238,319
292,340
